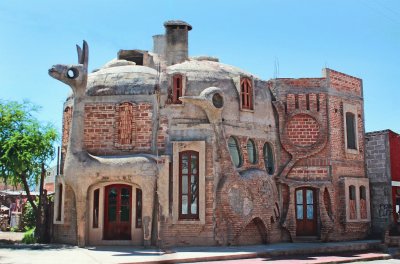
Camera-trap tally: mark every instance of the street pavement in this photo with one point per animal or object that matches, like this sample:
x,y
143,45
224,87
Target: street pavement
x,y
342,252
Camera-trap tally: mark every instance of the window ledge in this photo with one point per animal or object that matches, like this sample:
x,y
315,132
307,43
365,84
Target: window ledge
x,y
189,222
247,110
358,220
352,151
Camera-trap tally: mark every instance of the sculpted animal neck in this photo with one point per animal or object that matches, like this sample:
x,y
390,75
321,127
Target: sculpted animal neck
x,y
76,77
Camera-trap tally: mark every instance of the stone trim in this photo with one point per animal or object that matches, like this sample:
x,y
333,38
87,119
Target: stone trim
x,y
357,183
179,146
349,108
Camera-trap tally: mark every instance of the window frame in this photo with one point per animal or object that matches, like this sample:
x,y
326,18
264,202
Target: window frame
x,y
177,79
269,158
350,108
189,215
246,94
357,182
255,151
237,143
179,146
59,202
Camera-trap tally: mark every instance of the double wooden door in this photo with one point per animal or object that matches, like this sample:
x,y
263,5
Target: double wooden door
x,y
306,215
118,212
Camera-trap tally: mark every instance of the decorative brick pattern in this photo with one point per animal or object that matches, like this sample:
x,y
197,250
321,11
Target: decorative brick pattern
x,y
303,130
104,131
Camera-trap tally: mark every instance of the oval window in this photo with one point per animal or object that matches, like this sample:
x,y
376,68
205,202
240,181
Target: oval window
x,y
251,151
234,151
269,158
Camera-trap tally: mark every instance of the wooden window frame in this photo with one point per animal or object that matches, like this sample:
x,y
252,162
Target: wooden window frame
x,y
177,88
189,215
246,93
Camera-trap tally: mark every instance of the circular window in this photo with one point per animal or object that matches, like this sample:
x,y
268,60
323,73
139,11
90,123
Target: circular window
x,y
72,73
251,151
235,151
217,100
269,158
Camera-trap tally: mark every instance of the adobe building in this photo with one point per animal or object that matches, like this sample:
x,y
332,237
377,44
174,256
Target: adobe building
x,y
165,149
383,170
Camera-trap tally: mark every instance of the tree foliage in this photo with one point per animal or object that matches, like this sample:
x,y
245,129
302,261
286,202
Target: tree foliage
x,y
25,143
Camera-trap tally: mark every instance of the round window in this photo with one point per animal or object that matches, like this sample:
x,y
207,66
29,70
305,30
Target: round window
x,y
251,151
269,158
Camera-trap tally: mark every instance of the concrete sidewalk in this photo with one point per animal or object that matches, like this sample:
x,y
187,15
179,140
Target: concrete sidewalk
x,y
357,250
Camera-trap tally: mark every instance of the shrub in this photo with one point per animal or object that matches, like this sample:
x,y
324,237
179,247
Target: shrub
x,y
29,237
28,216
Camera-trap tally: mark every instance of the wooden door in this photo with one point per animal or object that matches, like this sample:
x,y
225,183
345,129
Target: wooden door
x,y
306,215
118,212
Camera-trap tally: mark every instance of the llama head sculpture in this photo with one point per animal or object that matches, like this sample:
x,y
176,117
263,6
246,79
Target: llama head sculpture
x,y
74,75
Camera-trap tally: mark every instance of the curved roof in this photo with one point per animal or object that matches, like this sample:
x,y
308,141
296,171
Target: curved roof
x,y
122,78
208,69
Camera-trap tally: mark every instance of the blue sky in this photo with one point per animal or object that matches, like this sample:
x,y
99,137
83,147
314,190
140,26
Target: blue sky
x,y
359,37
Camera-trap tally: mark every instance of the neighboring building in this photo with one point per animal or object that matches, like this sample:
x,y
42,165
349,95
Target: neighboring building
x,y
383,170
163,148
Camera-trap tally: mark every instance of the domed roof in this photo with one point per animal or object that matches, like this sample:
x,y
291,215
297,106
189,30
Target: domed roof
x,y
201,69
121,77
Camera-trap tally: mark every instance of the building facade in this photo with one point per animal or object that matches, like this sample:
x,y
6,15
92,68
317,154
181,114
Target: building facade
x,y
162,148
383,170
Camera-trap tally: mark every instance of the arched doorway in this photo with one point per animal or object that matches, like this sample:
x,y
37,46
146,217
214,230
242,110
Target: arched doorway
x,y
117,212
306,212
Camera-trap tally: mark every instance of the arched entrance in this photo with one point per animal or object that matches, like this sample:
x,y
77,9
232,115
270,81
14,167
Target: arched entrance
x,y
117,212
253,234
306,212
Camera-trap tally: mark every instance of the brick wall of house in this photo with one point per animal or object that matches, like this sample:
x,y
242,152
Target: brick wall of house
x,y
101,129
304,101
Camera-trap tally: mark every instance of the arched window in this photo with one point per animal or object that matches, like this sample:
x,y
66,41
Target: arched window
x,y
235,151
363,203
251,151
269,158
352,202
246,93
351,130
177,88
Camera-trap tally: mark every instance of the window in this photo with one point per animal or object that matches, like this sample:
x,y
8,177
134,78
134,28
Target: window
x,y
246,93
350,128
177,89
363,203
186,150
189,185
251,151
351,131
235,152
269,158
357,199
138,208
96,208
352,202
59,202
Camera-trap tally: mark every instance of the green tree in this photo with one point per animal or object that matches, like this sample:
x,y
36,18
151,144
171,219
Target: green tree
x,y
26,148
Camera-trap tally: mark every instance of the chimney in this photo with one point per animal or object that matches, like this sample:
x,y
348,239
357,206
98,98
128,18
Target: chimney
x,y
159,44
176,34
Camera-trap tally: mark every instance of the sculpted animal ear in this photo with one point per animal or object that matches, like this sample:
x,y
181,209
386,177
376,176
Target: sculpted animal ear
x,y
79,54
85,54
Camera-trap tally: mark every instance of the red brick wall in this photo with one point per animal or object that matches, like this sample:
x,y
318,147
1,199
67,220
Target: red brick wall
x,y
344,82
100,131
303,130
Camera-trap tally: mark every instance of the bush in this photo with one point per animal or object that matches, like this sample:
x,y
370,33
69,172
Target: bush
x,y
29,237
28,216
